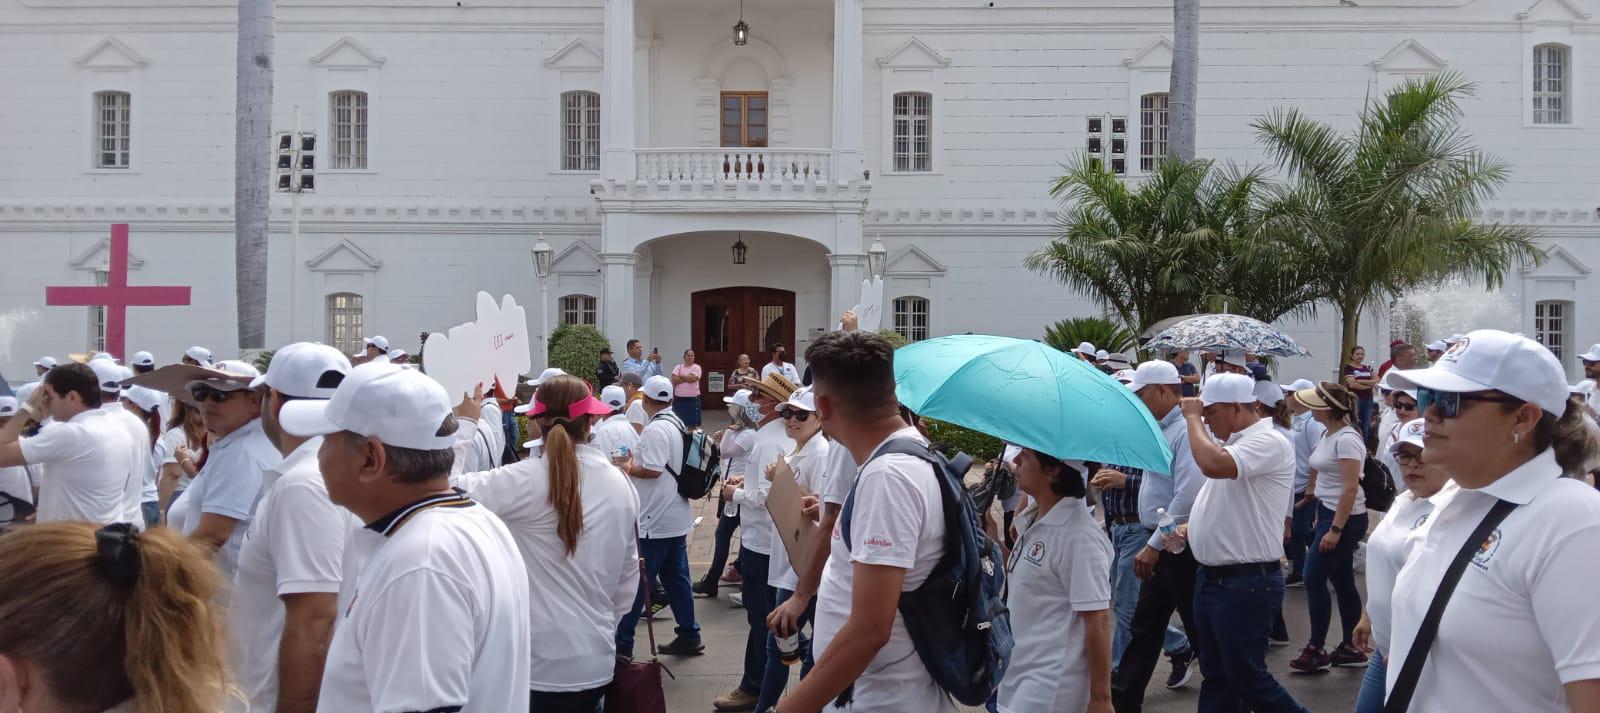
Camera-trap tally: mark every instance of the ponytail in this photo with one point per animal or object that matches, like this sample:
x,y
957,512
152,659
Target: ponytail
x,y
1572,437
111,616
566,482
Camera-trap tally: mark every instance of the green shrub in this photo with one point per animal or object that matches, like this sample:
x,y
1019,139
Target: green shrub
x,y
264,359
575,349
981,447
896,339
1067,334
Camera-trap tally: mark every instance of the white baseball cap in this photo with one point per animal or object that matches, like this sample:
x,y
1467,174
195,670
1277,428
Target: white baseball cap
x,y
1125,376
614,396
802,399
1299,384
380,342
1086,349
740,398
1385,384
657,388
8,405
1452,339
1592,355
1228,389
1154,371
546,375
400,407
108,374
1235,358
199,354
1438,346
397,354
1102,355
1491,359
146,398
142,359
48,362
1268,394
1411,432
305,370
102,356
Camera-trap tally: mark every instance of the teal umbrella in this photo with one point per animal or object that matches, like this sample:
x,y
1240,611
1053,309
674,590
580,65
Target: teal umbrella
x,y
1030,394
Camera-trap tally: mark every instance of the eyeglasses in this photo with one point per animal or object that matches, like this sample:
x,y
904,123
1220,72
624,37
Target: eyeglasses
x,y
201,393
1449,402
801,416
1407,460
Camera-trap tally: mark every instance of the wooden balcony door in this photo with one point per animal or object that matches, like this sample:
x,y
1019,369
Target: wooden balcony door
x,y
733,321
744,119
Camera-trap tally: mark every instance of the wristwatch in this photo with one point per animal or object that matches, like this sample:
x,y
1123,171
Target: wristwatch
x,y
1335,529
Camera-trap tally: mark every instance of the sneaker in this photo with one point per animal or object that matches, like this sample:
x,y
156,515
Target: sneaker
x,y
1293,579
732,576
1347,655
705,588
682,647
1311,659
1181,670
737,699
737,598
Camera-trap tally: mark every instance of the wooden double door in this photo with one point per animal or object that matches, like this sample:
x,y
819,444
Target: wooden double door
x,y
731,321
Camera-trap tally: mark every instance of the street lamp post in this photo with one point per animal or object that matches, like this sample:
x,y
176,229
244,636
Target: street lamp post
x,y
877,258
541,266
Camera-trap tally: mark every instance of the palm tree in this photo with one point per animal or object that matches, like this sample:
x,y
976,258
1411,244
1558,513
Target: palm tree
x,y
1394,205
1183,89
251,178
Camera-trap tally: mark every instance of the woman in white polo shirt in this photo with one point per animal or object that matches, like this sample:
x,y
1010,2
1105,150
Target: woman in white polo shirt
x,y
1427,488
1059,593
1341,521
572,515
1520,632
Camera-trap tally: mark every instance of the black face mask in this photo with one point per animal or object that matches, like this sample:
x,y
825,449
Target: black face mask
x,y
783,356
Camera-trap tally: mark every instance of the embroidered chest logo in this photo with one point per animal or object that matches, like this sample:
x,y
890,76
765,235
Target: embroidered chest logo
x,y
1036,553
1486,550
1423,518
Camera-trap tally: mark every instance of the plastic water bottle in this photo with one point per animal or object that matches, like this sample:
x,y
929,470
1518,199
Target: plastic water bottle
x,y
789,649
1169,530
730,508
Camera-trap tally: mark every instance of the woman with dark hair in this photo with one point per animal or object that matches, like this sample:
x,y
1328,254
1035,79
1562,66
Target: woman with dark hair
x,y
179,453
1335,486
1358,377
572,514
686,390
145,404
1059,594
1519,630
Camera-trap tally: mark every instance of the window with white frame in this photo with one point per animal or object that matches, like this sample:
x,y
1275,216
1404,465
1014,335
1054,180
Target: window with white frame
x,y
911,317
913,131
1552,326
97,316
580,131
1152,129
578,309
347,130
112,121
344,320
1552,84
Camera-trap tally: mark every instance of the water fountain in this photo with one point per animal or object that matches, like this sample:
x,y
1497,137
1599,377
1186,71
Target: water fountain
x,y
11,323
1455,305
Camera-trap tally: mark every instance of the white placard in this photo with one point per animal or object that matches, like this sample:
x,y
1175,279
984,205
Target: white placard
x,y
714,382
494,348
869,311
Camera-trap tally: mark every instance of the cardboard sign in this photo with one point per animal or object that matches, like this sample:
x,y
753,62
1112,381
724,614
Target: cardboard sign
x,y
797,532
493,349
869,311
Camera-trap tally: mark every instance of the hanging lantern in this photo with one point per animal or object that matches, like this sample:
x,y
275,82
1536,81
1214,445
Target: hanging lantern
x,y
741,31
739,249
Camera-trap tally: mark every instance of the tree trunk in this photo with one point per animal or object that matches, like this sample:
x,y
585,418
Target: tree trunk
x,y
1184,88
252,167
1350,320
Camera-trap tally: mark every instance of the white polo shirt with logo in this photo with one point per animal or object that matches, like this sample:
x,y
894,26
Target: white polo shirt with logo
x,y
1387,549
88,464
897,520
229,485
757,531
1239,520
438,620
293,545
663,513
809,464
613,432
1522,621
1060,568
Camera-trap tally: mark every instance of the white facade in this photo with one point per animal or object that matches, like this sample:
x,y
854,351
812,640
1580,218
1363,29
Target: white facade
x,y
464,164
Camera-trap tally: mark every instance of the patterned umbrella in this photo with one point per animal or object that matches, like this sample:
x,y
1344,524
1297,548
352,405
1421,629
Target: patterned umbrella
x,y
1226,333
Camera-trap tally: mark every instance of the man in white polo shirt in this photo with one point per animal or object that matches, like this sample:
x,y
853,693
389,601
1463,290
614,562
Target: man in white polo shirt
x,y
86,451
664,521
283,607
438,618
139,441
223,495
614,431
1236,533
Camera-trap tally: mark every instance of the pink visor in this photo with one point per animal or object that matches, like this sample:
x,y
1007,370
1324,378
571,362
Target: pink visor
x,y
589,406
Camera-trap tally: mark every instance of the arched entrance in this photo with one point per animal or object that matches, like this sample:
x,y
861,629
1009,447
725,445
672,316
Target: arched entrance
x,y
730,321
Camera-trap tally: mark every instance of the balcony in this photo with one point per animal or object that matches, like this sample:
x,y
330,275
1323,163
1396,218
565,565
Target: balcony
x,y
779,179
735,165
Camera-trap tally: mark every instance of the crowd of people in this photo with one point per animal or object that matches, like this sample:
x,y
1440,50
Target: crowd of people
x,y
340,534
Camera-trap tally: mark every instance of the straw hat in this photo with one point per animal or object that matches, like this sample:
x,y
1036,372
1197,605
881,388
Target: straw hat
x,y
774,387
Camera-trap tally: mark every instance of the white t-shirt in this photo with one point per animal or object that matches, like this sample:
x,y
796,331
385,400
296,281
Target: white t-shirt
x,y
810,471
139,453
1061,566
736,446
756,530
88,468
438,620
293,545
1240,520
1343,444
1522,620
841,475
636,414
613,432
787,370
229,485
897,520
166,451
470,448
663,512
493,429
576,601
1387,549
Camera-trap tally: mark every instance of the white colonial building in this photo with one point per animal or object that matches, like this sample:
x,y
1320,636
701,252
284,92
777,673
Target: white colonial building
x,y
648,147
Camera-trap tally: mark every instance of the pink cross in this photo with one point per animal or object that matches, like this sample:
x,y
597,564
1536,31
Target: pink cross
x,y
116,295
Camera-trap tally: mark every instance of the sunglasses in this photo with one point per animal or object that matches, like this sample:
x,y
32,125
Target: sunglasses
x,y
202,393
1403,406
801,416
1449,402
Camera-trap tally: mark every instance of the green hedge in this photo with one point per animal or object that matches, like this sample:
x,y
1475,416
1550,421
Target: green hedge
x,y
575,349
896,339
981,447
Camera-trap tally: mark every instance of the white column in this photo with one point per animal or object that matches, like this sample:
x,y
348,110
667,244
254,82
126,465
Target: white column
x,y
616,302
848,112
617,100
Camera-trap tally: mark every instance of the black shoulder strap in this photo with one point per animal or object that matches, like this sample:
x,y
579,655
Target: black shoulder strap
x,y
903,446
1406,685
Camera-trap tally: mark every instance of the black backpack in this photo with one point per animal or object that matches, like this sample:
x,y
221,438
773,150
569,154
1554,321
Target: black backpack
x,y
698,471
1377,484
957,618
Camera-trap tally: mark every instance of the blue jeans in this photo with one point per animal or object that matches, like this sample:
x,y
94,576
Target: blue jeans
x,y
723,541
1370,699
1365,409
1301,527
667,558
1336,567
776,677
1126,541
688,409
152,512
757,605
1232,616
